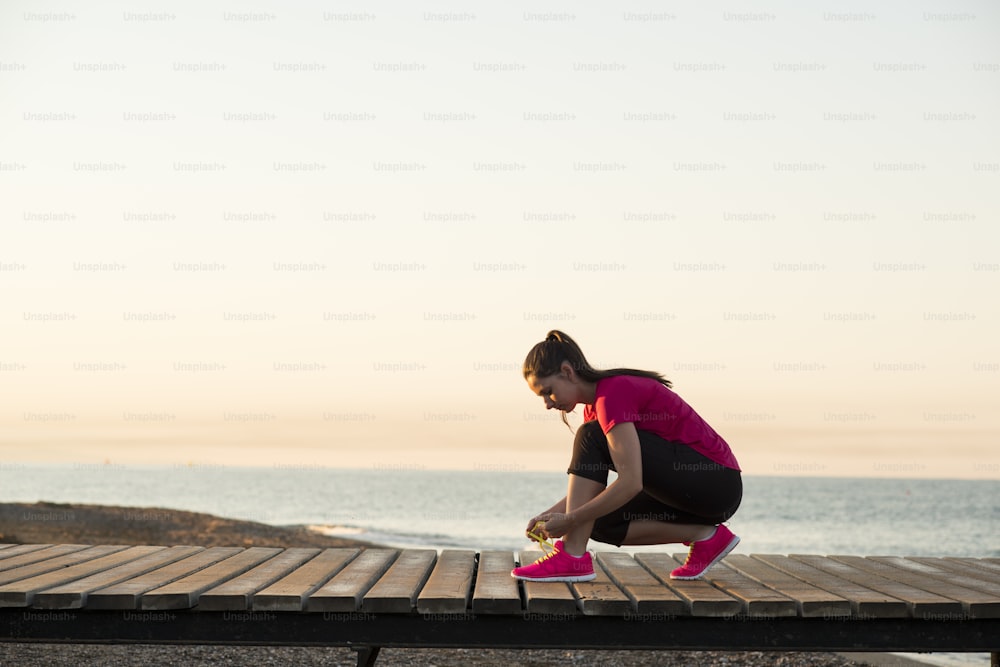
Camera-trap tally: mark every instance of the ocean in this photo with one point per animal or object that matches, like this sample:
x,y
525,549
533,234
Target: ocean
x,y
407,507
488,509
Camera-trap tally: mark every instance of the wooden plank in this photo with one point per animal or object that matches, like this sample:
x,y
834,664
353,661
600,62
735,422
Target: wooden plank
x,y
496,591
601,596
237,593
73,595
19,549
648,594
990,581
183,593
981,563
449,585
810,601
344,592
933,569
127,594
396,592
974,603
32,555
865,603
71,556
21,593
919,601
757,600
701,597
291,591
546,599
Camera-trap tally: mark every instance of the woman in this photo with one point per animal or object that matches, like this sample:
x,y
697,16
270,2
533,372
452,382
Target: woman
x,y
677,478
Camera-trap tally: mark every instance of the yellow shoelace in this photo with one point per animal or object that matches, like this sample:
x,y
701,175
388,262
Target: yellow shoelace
x,y
536,535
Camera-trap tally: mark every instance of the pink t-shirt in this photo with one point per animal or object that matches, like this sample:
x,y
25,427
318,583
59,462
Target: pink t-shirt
x,y
655,408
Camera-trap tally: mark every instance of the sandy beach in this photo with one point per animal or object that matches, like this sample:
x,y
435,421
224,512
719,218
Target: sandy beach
x,y
54,523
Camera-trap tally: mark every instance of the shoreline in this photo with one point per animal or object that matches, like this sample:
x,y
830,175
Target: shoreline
x,y
71,523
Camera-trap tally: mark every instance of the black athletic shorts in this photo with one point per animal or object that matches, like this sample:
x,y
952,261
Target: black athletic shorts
x,y
679,484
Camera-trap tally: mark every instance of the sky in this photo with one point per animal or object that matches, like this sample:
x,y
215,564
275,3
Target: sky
x,y
328,234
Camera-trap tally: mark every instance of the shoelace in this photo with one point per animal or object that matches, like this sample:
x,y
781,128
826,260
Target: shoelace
x,y
547,556
542,542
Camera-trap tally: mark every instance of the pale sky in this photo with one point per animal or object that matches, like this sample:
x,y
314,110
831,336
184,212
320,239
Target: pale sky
x,y
327,234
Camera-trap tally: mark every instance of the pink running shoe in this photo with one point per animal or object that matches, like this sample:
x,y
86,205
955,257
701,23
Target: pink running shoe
x,y
706,553
557,565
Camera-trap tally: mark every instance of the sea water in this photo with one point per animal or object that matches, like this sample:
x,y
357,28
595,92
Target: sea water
x,y
481,510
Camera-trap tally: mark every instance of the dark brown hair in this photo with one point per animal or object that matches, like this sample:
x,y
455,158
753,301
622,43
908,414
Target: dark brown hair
x,y
547,357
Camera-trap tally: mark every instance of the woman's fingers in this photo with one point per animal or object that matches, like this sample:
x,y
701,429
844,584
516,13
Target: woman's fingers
x,y
537,526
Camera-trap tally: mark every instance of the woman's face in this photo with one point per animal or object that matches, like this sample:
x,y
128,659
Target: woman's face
x,y
559,390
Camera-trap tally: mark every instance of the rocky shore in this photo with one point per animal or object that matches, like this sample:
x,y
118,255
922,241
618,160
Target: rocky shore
x,y
59,523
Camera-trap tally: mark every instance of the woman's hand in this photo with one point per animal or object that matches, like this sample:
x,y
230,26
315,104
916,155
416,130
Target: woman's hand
x,y
534,522
559,506
556,524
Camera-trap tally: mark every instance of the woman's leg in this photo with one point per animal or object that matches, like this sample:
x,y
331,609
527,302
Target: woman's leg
x,y
702,491
588,476
657,532
685,495
579,492
647,520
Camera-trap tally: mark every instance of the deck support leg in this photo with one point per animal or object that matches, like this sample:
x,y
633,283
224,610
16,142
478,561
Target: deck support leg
x,y
995,659
367,655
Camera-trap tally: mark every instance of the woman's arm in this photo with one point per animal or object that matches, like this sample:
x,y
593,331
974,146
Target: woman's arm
x,y
623,443
560,506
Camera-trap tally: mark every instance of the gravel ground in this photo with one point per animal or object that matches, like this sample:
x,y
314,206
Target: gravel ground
x,y
46,655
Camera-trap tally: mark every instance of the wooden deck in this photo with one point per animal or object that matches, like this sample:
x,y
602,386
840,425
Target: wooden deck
x,y
386,597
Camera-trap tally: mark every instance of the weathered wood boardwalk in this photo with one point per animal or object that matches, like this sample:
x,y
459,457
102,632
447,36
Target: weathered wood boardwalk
x,y
366,598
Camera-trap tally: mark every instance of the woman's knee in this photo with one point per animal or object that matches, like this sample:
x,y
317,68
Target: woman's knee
x,y
590,435
591,456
